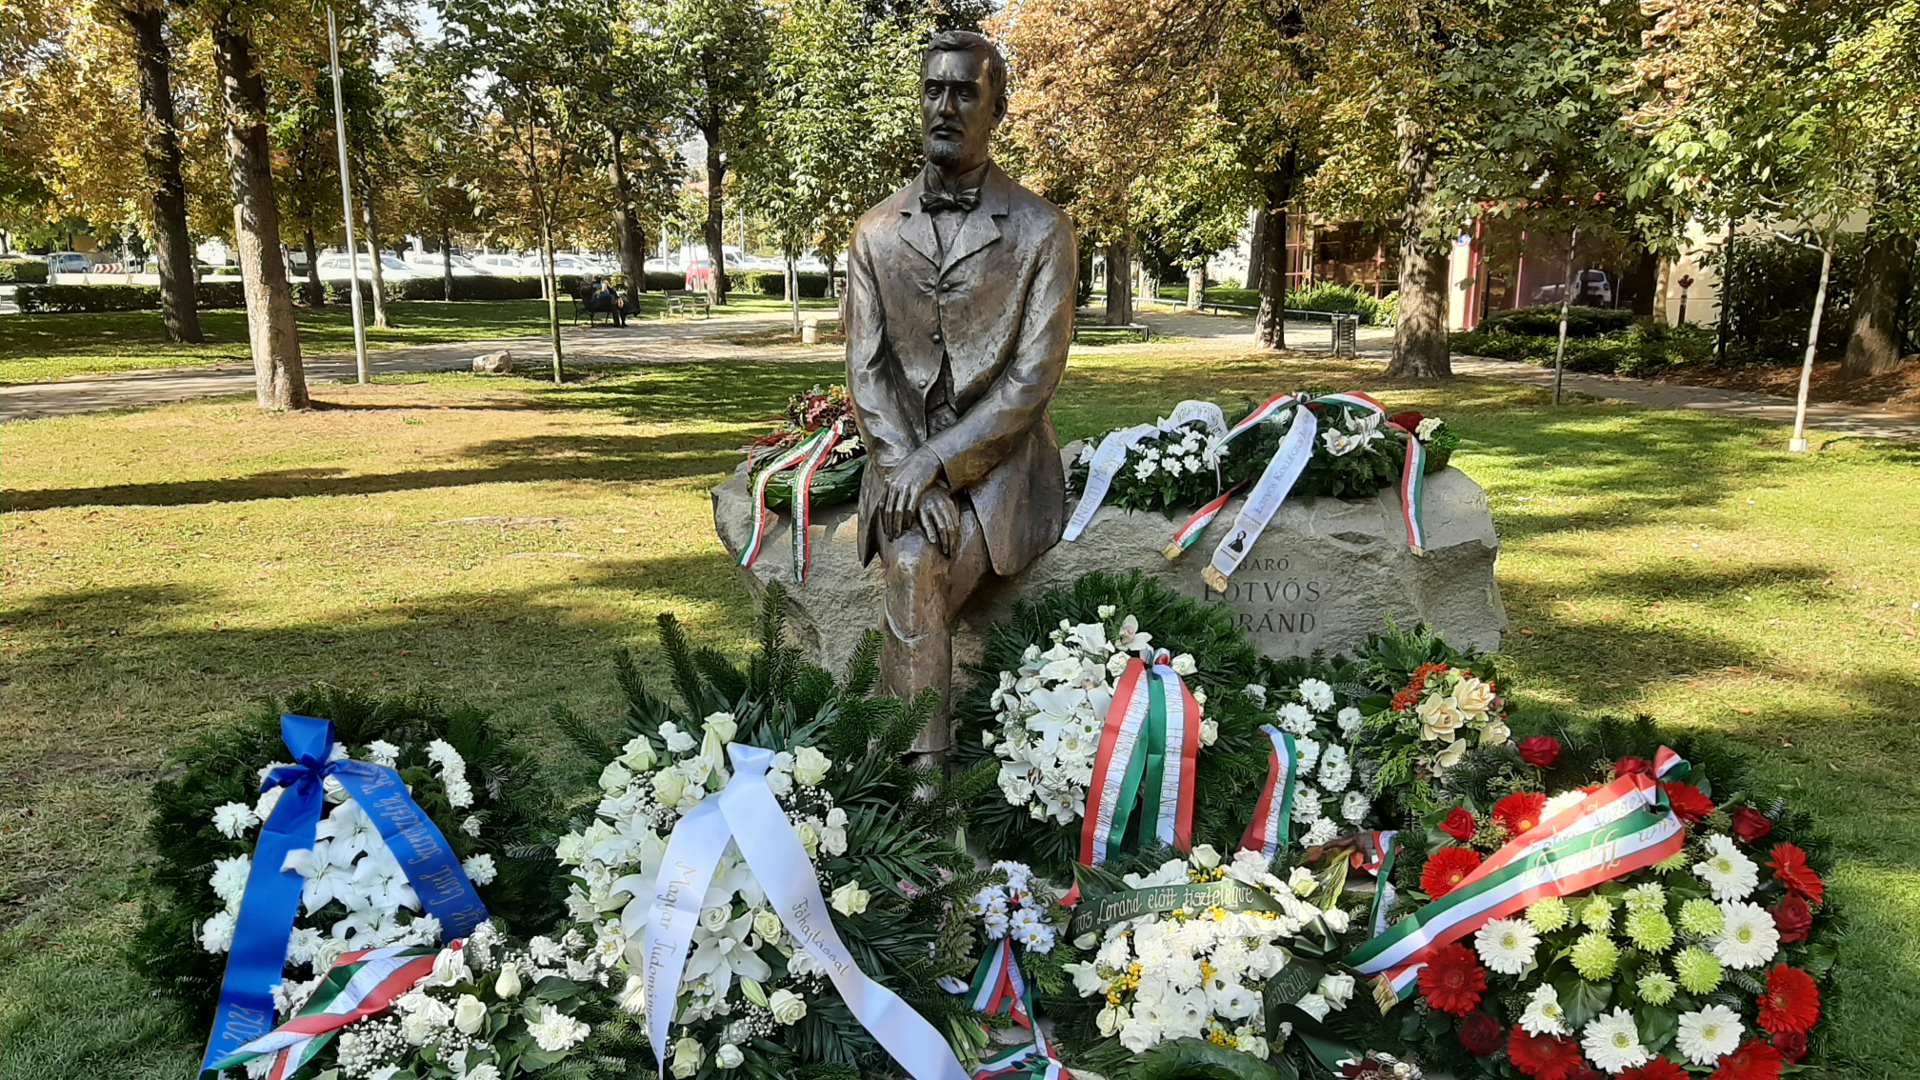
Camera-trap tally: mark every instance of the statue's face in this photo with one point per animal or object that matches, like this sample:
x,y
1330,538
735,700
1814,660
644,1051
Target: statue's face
x,y
958,110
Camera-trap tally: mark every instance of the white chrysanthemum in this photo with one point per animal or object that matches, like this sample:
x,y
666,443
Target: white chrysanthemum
x,y
1295,719
1730,874
1306,805
1506,945
383,753
1320,832
1543,1015
1350,721
1335,770
1354,808
230,879
1306,754
1612,1042
216,934
555,1031
480,869
1318,695
1709,1034
232,819
1749,938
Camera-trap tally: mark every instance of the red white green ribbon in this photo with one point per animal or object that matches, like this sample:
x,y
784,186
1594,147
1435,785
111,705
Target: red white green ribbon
x,y
1030,1060
1273,814
358,985
803,501
784,460
1381,849
1197,524
1267,408
1623,827
1413,489
998,988
1148,747
1668,765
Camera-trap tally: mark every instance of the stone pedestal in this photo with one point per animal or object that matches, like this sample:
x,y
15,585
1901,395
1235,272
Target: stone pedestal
x,y
1324,575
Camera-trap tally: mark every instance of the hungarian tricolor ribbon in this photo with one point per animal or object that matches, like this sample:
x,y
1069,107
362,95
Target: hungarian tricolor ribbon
x,y
1273,813
1413,489
997,989
1148,747
1668,765
358,985
1197,524
811,450
1026,1060
1378,850
803,501
1618,829
267,907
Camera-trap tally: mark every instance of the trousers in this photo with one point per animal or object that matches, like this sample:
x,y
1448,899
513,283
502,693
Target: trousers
x,y
925,588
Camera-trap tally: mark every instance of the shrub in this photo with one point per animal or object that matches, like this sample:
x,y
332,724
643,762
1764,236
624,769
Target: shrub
x,y
1767,294
1327,296
1646,348
774,283
23,271
1543,320
35,299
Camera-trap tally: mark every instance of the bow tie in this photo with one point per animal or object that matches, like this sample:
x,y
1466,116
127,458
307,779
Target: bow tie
x,y
949,200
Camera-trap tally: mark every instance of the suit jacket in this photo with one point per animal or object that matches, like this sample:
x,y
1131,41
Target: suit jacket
x,y
999,306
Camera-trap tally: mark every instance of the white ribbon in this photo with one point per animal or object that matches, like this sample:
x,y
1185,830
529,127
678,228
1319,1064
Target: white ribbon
x,y
746,813
1106,464
1204,411
1289,461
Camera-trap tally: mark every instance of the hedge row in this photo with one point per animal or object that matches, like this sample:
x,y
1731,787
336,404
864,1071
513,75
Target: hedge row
x,y
91,298
1544,321
774,283
1645,348
22,271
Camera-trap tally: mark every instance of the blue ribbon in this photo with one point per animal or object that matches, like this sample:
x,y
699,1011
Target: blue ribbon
x,y
272,898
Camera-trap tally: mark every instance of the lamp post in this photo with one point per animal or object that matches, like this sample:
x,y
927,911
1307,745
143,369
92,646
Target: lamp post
x,y
346,202
1686,282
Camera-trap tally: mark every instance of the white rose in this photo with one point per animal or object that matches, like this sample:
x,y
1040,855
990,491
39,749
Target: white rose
x,y
1315,1006
687,1056
1205,857
787,1007
729,1056
615,777
1337,987
1209,732
638,754
469,1014
1301,882
810,766
715,918
668,786
1184,665
722,726
767,924
508,984
850,899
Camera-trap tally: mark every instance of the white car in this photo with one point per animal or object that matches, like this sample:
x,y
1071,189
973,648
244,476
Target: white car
x,y
433,264
512,265
335,268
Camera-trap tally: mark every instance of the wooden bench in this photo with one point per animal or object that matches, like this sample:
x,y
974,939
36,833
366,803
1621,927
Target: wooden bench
x,y
682,302
1145,331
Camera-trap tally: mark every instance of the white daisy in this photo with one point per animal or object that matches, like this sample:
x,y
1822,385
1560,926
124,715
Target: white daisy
x,y
1544,1015
1749,938
1354,807
230,879
1726,871
1295,719
1318,695
1506,945
1613,1043
1709,1034
232,819
1350,721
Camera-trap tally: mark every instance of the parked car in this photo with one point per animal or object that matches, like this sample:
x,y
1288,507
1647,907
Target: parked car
x,y
1591,288
335,268
69,262
499,263
434,263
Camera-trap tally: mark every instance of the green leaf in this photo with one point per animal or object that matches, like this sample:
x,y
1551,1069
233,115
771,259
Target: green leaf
x,y
1657,1026
1583,1000
1196,1059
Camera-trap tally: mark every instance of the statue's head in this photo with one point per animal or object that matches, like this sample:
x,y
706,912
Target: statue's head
x,y
963,97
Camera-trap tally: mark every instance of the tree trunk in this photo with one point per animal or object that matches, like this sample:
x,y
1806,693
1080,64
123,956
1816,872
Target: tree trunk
x,y
1873,348
160,148
632,248
717,283
1257,248
446,261
316,292
373,246
793,290
553,290
639,263
1119,281
1798,443
280,380
1566,307
1196,285
1420,348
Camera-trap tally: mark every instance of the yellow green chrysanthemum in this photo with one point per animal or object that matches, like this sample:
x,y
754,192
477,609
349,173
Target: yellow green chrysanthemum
x,y
1595,956
1702,917
1678,861
1650,930
1699,972
1550,914
1657,988
1597,914
1648,897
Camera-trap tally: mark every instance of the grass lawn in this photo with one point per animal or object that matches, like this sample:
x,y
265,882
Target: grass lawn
x,y
36,347
495,540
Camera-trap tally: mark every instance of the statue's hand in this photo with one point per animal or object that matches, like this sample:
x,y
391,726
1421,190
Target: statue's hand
x,y
940,519
907,483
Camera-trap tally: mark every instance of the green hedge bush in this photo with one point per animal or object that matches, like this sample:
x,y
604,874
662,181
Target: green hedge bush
x,y
23,272
1646,348
774,283
1543,320
34,299
1327,296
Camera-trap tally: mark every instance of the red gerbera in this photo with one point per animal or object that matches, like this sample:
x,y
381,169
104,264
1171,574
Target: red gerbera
x,y
1480,1034
1792,1046
1447,869
1460,824
1540,751
1658,1069
1750,824
1543,1057
1790,868
1754,1061
1520,811
1791,1003
1633,766
1453,979
1793,917
1688,802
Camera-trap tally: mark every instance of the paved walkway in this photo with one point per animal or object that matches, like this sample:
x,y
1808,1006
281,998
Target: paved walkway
x,y
658,341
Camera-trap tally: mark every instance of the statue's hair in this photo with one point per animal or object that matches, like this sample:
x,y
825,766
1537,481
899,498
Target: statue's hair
x,y
968,41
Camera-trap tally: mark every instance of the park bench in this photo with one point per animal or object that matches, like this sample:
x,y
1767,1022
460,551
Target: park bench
x,y
683,302
1145,331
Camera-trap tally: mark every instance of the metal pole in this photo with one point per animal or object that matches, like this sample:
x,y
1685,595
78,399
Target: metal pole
x,y
346,202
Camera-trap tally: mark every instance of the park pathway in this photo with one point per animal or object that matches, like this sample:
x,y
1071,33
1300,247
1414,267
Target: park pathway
x,y
657,341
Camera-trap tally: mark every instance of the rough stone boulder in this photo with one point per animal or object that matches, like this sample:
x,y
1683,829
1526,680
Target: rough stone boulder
x,y
493,363
1325,574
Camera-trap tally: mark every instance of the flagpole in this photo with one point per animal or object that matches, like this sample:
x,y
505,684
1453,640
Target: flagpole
x,y
346,202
